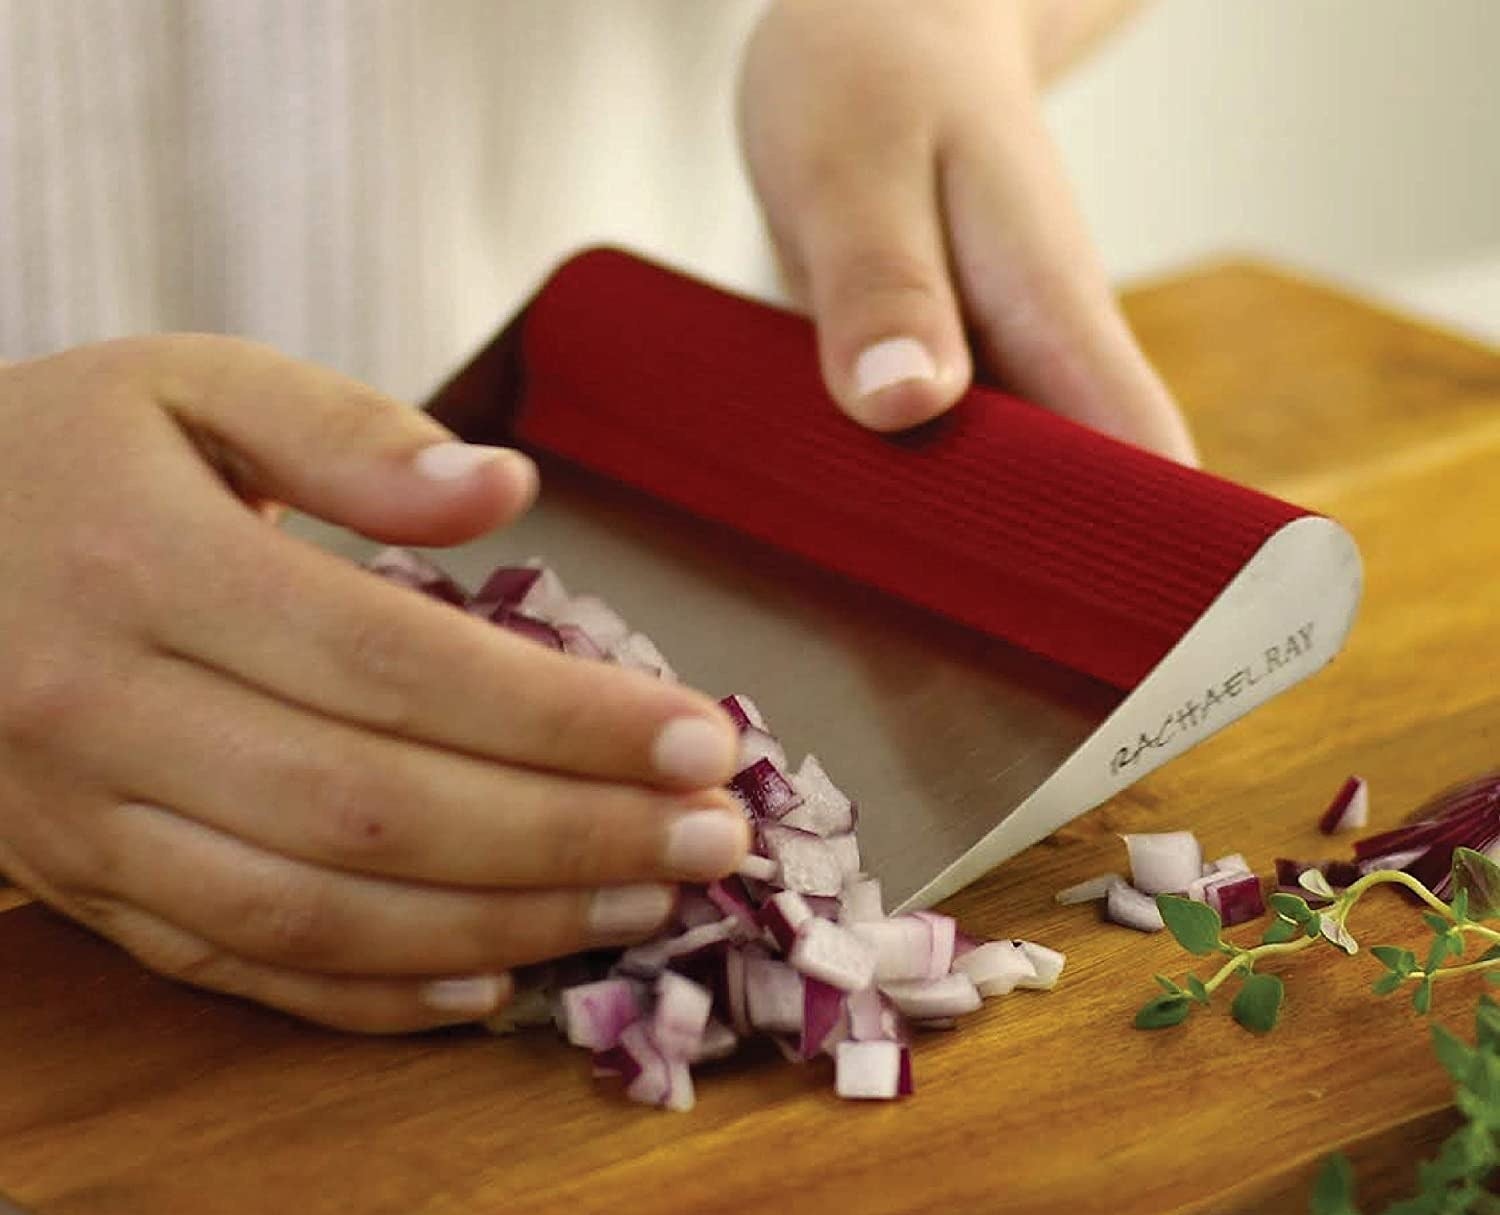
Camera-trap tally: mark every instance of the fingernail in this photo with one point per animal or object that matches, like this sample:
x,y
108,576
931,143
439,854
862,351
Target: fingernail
x,y
694,751
473,997
454,461
622,911
706,843
893,361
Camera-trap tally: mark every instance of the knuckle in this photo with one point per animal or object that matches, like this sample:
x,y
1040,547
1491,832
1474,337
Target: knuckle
x,y
47,695
586,846
351,815
286,919
378,655
871,281
360,418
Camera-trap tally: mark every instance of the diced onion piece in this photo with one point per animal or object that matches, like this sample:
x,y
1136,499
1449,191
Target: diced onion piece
x,y
903,947
681,1015
869,1071
996,967
603,625
846,851
862,901
1349,810
639,653
1048,964
870,1019
759,868
578,643
773,996
824,808
944,929
783,914
755,745
595,1014
409,569
764,789
951,996
1234,862
822,950
650,959
807,864
1088,890
822,1015
743,712
1164,862
1236,897
1128,906
718,1042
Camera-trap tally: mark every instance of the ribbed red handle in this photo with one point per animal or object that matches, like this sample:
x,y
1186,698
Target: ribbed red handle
x,y
1001,515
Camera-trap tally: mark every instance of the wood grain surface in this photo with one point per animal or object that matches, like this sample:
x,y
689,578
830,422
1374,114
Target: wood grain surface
x,y
122,1094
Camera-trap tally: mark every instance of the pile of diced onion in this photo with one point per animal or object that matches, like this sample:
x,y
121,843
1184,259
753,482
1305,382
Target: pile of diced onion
x,y
796,947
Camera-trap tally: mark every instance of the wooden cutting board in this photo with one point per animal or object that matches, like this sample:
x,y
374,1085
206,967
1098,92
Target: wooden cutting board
x,y
123,1094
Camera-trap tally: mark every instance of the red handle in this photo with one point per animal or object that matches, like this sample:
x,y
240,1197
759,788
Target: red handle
x,y
1002,516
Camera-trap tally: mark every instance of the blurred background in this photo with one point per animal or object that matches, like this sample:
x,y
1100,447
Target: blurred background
x,y
378,184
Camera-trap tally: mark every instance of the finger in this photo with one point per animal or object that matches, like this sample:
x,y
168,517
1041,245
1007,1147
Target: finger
x,y
303,626
1046,316
287,913
297,783
866,250
356,1003
295,433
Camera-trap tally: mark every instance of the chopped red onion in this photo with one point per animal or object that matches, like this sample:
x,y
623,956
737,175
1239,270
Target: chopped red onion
x,y
1236,897
594,1014
1349,810
807,864
764,790
591,615
845,850
1048,964
996,967
412,570
744,713
692,993
639,653
756,745
951,996
870,1070
862,901
823,950
1164,862
773,995
1126,905
822,1013
1233,863
718,1042
681,1015
1088,890
783,914
903,947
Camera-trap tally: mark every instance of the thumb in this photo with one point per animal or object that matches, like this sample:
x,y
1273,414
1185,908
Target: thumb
x,y
291,432
865,251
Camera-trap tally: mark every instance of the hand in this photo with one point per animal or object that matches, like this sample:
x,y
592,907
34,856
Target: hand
x,y
912,190
265,771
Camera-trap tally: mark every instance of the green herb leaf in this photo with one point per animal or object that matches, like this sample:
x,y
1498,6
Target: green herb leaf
x,y
1279,931
1336,934
1333,1193
1195,925
1442,946
1399,961
1162,1012
1290,907
1421,998
1168,986
1438,924
1387,983
1313,881
1461,905
1453,1053
1258,1004
1487,1025
1478,879
1200,993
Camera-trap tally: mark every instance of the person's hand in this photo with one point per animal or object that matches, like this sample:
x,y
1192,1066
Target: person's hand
x,y
265,771
913,192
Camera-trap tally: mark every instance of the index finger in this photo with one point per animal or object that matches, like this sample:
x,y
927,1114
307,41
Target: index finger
x,y
316,630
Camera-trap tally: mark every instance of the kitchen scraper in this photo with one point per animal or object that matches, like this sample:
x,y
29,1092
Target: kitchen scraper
x,y
983,628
